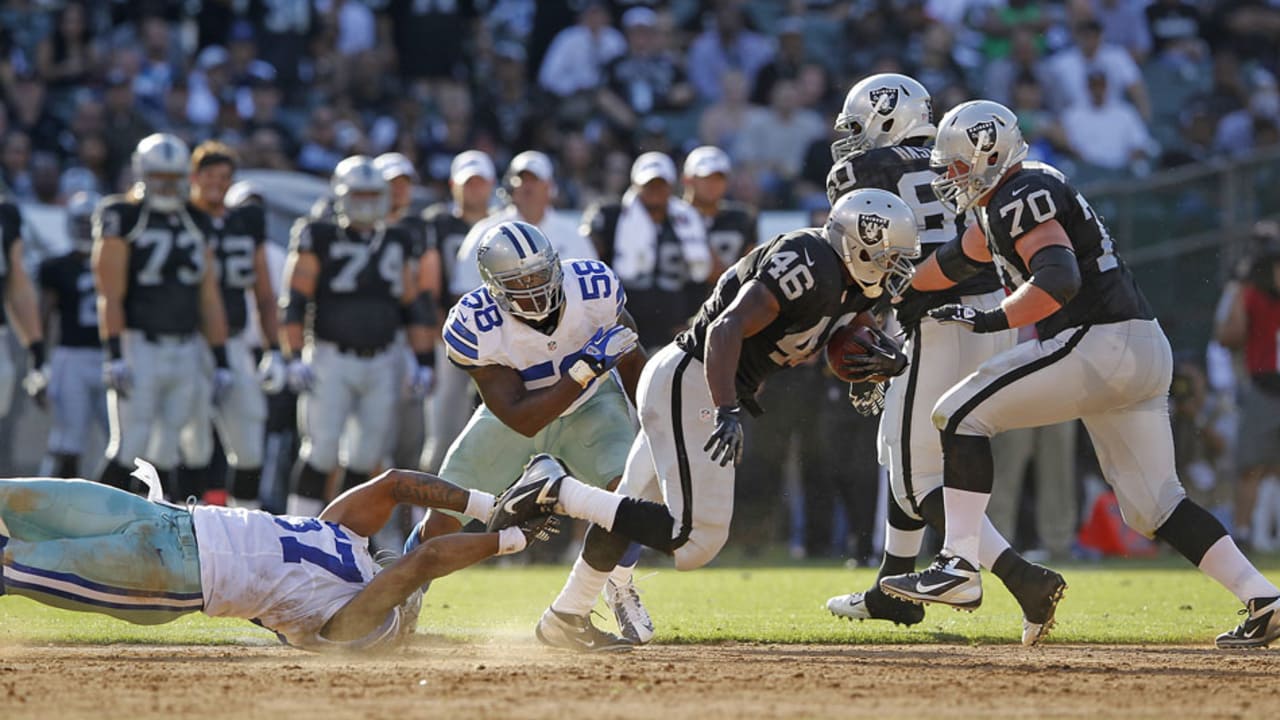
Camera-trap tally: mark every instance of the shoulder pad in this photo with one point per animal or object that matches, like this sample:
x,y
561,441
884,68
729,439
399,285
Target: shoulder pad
x,y
307,234
115,216
474,315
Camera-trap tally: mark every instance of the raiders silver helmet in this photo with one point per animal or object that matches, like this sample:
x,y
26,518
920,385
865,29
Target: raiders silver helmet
x,y
242,193
521,270
361,196
874,232
977,143
882,110
160,166
80,209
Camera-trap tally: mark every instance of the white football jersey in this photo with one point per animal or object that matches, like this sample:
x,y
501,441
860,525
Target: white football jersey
x,y
288,574
478,332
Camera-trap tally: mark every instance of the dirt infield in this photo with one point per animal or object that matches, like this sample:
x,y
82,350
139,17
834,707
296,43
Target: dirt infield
x,y
441,680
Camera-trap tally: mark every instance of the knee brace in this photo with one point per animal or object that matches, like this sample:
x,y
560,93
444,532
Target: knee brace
x,y
967,462
602,550
648,523
1191,530
934,511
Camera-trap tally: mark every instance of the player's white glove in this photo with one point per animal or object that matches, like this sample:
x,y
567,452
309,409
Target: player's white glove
x,y
36,383
301,377
273,373
602,352
222,382
117,376
422,380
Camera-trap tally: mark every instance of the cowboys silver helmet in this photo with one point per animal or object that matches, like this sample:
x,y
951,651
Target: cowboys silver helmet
x,y
361,196
977,143
521,270
882,110
874,232
80,209
160,167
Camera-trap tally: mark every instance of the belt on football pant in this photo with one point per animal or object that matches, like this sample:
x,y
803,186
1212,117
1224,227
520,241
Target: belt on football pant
x,y
362,352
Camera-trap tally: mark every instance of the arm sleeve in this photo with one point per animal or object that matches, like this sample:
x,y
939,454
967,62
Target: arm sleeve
x,y
461,341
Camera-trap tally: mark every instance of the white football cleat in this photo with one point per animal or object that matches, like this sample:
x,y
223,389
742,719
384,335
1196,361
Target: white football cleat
x,y
633,620
950,580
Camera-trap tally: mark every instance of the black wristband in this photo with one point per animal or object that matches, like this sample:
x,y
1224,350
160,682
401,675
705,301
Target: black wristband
x,y
36,352
114,350
990,321
219,355
427,359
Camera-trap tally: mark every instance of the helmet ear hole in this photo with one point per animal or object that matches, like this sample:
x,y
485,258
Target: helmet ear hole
x,y
887,126
993,159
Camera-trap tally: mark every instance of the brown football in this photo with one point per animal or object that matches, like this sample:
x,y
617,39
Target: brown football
x,y
848,340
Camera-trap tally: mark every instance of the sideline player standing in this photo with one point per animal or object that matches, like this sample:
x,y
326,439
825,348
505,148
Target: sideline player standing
x,y
540,339
152,266
775,308
731,226
238,235
82,546
76,394
22,308
888,118
1102,358
350,289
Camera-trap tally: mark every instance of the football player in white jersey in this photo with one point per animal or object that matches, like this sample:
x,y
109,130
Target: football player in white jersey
x,y
541,338
85,546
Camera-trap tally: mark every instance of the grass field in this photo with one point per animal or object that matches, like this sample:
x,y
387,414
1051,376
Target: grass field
x,y
1116,603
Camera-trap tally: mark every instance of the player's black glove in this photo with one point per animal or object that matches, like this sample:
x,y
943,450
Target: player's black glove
x,y
911,307
725,443
884,359
979,321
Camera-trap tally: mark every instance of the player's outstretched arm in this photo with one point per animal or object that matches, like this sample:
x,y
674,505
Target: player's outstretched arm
x,y
954,262
630,365
519,408
367,507
1055,275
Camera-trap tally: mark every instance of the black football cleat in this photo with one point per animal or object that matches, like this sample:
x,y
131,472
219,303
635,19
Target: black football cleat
x,y
1038,592
533,494
577,633
1260,627
875,605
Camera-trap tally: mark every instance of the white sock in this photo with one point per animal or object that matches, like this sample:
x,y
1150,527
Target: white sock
x,y
1225,563
581,590
585,502
966,511
511,540
299,506
621,574
479,505
992,544
902,543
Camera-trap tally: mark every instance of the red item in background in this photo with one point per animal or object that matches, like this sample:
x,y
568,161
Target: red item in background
x,y
1105,531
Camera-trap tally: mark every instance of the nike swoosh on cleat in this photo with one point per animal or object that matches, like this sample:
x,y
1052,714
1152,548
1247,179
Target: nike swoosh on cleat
x,y
1252,632
508,505
920,587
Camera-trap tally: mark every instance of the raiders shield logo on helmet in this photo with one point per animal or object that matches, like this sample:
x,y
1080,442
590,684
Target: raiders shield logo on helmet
x,y
884,100
871,228
982,135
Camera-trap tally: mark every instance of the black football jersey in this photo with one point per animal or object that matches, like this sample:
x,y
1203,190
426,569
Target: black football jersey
x,y
10,233
904,170
444,231
166,263
1038,194
357,301
661,300
732,232
806,275
236,239
70,279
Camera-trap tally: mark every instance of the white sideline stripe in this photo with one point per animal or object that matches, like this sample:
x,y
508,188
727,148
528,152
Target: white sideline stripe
x,y
69,587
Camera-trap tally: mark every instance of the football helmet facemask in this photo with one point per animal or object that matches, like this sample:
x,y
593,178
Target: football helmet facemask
x,y
521,270
80,209
882,110
361,196
977,143
874,232
160,166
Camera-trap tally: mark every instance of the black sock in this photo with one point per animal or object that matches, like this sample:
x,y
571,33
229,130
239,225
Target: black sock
x,y
648,523
1191,530
899,564
352,478
1009,567
66,465
895,565
116,475
309,482
602,549
967,463
190,482
245,482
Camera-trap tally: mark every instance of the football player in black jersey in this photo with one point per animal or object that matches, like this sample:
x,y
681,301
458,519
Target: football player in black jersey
x,y
351,289
731,225
22,306
1101,357
153,270
238,234
78,399
773,309
889,125
471,180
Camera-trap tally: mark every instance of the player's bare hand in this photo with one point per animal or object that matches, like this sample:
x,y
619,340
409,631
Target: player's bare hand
x,y
117,376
